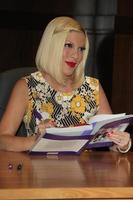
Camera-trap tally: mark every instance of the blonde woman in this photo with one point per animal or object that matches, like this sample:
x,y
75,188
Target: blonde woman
x,y
58,94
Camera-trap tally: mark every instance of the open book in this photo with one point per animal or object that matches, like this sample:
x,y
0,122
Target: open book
x,y
78,138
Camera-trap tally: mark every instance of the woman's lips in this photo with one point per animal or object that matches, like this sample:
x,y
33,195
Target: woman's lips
x,y
71,64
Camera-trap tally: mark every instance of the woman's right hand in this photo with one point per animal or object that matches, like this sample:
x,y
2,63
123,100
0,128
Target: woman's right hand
x,y
47,123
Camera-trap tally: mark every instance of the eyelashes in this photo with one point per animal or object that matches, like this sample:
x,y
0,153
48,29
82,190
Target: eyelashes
x,y
70,45
82,48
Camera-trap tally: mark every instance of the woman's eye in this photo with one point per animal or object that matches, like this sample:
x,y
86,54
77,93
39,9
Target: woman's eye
x,y
68,45
82,49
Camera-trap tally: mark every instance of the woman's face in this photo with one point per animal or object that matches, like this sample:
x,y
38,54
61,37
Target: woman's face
x,y
73,52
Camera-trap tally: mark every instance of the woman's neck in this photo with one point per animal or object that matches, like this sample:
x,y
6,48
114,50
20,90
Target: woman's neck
x,y
67,87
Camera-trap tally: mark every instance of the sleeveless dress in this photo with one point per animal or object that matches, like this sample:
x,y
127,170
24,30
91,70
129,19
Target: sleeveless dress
x,y
67,109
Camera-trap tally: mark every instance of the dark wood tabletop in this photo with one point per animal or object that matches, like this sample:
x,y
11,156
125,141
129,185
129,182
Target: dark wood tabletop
x,y
92,175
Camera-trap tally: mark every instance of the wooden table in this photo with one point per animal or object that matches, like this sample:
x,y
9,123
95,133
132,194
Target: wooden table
x,y
93,175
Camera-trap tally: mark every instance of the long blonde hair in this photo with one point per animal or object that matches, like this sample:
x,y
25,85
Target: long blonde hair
x,y
49,54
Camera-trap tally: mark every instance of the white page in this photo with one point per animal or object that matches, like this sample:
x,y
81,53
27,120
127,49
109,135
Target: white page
x,y
48,145
69,131
101,117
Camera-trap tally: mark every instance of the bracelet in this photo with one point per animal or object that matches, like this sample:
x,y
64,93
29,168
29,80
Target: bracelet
x,y
125,151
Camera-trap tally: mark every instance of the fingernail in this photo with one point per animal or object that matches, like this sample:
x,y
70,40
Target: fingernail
x,y
109,133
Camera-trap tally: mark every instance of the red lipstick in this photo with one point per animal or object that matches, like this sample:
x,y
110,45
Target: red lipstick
x,y
71,64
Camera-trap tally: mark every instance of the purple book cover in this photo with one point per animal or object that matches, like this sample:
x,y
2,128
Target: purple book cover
x,y
91,138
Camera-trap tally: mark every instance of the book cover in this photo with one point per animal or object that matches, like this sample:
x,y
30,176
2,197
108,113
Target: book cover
x,y
79,138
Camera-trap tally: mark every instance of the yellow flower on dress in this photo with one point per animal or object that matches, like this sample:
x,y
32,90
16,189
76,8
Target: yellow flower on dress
x,y
94,81
96,94
59,98
27,117
34,95
78,104
47,107
39,75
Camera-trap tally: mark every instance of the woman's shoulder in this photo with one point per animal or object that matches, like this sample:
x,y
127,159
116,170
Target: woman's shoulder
x,y
92,81
20,87
34,76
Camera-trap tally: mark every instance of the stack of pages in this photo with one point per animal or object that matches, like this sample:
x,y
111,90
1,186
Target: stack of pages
x,y
76,139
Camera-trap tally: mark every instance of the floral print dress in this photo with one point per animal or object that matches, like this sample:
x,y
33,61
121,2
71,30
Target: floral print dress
x,y
67,109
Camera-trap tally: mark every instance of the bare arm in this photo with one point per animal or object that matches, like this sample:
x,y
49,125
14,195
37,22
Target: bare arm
x,y
104,107
12,118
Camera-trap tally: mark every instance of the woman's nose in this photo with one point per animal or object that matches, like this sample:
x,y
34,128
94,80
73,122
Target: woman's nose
x,y
75,53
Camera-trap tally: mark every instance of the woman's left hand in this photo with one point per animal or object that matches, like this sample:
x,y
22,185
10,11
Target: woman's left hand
x,y
121,139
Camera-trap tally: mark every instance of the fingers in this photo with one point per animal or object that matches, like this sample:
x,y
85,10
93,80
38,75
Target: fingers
x,y
120,138
48,123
